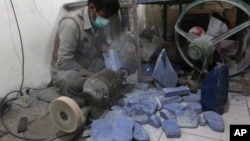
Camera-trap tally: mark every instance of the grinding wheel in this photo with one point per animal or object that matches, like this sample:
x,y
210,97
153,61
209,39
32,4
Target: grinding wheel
x,y
66,114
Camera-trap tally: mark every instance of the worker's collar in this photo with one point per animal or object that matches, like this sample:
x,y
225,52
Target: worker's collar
x,y
86,21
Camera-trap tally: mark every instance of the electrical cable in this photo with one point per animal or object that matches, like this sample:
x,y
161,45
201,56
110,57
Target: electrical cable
x,y
20,36
4,101
19,92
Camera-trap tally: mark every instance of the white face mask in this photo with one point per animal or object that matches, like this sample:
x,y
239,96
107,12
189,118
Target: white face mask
x,y
99,22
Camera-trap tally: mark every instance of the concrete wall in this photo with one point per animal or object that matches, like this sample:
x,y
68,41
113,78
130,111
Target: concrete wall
x,y
37,20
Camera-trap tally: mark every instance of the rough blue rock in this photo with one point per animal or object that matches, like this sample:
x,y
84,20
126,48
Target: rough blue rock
x,y
141,119
135,110
174,107
192,97
163,72
173,91
154,121
195,107
214,121
112,115
165,114
140,134
187,119
171,128
122,129
214,89
133,100
101,130
172,99
149,105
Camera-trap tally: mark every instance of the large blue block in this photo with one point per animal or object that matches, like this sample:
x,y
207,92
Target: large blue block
x,y
122,129
173,91
171,128
140,134
214,89
163,73
101,130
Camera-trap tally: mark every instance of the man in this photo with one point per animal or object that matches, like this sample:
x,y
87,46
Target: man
x,y
77,46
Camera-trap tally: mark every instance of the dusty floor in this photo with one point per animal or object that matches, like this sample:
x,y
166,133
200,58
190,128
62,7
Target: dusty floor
x,y
40,125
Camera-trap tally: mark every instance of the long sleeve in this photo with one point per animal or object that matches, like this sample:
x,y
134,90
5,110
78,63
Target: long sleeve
x,y
68,36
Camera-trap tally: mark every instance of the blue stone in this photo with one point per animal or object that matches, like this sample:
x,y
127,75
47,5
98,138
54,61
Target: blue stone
x,y
122,129
165,114
140,134
171,128
195,107
174,107
214,89
173,91
154,121
172,99
163,73
141,119
192,97
101,130
214,121
149,105
187,119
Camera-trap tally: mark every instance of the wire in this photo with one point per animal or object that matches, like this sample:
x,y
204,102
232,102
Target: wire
x,y
19,93
20,36
203,68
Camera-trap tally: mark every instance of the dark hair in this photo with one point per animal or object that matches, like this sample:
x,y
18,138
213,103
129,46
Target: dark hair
x,y
110,7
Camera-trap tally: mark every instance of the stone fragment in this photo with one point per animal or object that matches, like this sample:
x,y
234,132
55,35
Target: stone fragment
x,y
122,129
154,121
101,130
165,114
187,119
171,128
192,97
195,107
163,73
140,134
174,107
214,121
173,91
